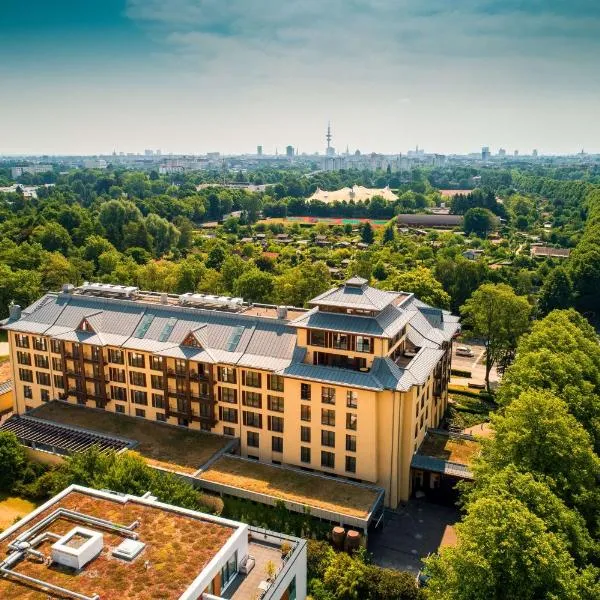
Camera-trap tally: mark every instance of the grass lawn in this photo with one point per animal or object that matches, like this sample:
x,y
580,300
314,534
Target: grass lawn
x,y
162,445
452,449
295,486
13,508
466,411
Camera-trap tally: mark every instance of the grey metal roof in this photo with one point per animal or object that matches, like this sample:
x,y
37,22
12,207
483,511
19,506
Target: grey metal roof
x,y
6,386
333,375
356,295
439,465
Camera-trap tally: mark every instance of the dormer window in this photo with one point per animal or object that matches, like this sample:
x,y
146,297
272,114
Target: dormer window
x,y
192,341
85,326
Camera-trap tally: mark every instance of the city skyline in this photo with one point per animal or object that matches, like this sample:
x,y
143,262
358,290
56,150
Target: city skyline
x,y
193,77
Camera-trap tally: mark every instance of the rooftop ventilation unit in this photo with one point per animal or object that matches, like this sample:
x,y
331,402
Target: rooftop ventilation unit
x,y
210,301
77,548
128,549
108,290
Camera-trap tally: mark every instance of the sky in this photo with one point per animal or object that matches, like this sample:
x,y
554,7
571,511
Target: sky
x,y
195,76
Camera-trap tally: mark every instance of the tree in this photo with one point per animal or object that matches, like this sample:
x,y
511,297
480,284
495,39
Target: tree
x,y
255,286
496,314
232,267
114,215
537,434
299,284
389,234
366,233
53,237
164,234
421,283
12,459
556,292
561,354
216,256
479,221
503,551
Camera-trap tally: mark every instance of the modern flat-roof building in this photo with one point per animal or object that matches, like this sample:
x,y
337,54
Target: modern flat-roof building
x,y
91,544
346,388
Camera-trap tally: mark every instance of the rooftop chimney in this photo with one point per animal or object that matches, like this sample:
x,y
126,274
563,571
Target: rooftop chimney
x,y
14,312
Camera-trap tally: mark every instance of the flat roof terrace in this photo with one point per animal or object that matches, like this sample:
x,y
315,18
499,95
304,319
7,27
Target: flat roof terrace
x,y
177,548
330,498
162,445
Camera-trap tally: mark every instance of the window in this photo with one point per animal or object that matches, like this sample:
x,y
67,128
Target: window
x,y
96,353
277,444
340,341
351,399
27,392
181,366
328,417
55,346
57,364
351,421
251,379
158,401
228,395
24,358
252,419
305,391
157,382
40,343
275,383
231,431
229,415
59,382
351,443
183,422
117,375
137,378
136,360
21,341
118,393
42,378
317,338
252,399
305,454
41,361
116,356
275,424
140,412
328,459
275,403
304,412
156,363
305,434
328,438
351,464
161,417
328,395
253,439
226,374
229,570
76,349
138,397
364,344
119,408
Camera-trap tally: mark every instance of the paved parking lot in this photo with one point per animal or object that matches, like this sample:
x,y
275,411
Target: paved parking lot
x,y
475,364
410,533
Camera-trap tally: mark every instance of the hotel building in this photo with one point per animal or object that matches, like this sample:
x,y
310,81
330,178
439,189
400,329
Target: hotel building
x,y
346,388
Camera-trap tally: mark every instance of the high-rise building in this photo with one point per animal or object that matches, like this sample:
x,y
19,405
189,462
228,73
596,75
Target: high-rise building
x,y
289,151
259,150
148,152
516,153
502,152
348,388
534,154
485,153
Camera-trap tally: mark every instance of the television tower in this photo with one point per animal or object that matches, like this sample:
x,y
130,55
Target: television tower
x,y
328,137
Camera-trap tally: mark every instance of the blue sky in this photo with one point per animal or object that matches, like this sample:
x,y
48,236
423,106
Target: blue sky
x,y
91,76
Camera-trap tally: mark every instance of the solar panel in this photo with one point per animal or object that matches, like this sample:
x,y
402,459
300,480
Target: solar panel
x,y
234,338
140,332
168,329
